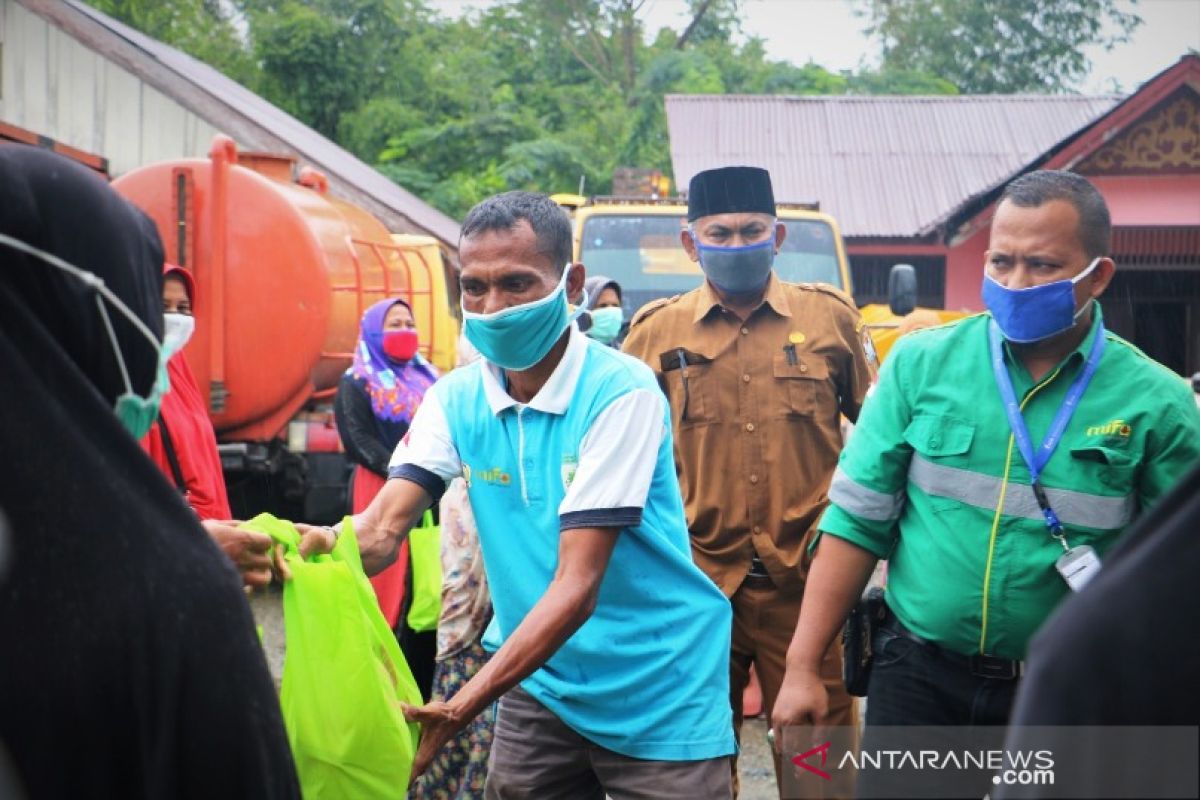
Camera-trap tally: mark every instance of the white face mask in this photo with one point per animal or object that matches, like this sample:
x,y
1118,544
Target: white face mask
x,y
177,330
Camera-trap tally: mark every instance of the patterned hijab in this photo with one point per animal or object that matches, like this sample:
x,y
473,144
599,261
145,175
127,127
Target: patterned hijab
x,y
396,390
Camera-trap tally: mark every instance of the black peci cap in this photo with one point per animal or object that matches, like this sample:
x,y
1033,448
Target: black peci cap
x,y
730,190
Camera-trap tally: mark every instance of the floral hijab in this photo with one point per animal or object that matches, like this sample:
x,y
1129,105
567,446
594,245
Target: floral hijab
x,y
395,390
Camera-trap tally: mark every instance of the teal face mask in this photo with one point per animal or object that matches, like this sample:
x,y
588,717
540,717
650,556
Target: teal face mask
x,y
606,324
516,338
135,412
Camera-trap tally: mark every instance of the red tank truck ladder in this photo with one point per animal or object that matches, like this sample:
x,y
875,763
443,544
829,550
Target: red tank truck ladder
x,y
389,260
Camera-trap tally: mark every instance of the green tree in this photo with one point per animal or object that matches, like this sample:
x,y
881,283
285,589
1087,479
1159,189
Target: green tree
x,y
322,59
996,46
523,94
201,28
897,81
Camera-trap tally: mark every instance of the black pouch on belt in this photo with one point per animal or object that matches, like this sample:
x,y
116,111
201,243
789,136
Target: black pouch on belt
x,y
864,619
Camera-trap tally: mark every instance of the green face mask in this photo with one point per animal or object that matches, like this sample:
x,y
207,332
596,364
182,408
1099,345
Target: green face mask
x,y
135,412
606,324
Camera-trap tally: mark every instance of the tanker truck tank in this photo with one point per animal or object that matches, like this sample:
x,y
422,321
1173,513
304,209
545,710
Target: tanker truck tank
x,y
283,274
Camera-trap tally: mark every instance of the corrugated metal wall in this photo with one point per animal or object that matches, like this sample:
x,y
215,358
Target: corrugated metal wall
x,y
55,86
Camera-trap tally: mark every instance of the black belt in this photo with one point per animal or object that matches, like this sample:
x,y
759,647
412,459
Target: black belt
x,y
753,581
981,666
758,577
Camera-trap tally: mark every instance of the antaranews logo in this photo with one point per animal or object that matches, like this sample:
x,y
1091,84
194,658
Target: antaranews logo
x,y
908,763
823,751
1021,767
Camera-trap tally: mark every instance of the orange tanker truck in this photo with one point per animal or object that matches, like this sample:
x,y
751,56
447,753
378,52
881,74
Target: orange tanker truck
x,y
283,274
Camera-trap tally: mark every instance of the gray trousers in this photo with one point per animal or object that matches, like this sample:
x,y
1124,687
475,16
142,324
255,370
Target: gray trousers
x,y
537,757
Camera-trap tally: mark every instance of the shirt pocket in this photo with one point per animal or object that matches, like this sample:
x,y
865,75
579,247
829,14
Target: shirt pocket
x,y
689,381
943,443
802,388
1110,467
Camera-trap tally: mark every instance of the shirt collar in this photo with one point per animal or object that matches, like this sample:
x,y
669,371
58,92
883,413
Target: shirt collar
x,y
1081,351
1085,347
773,297
555,395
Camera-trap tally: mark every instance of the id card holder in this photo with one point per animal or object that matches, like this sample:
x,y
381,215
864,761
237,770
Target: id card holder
x,y
1078,566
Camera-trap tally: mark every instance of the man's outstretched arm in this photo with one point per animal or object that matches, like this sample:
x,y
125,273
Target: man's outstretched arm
x,y
569,601
380,528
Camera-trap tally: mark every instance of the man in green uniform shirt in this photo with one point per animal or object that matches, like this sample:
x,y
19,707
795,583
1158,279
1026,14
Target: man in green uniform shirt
x,y
987,509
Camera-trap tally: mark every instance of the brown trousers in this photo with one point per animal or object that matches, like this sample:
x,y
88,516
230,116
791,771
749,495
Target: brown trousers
x,y
764,620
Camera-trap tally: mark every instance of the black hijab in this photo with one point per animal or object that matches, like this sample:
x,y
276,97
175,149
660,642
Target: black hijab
x,y
1122,652
129,664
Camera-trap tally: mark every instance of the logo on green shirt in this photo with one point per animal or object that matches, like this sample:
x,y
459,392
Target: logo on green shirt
x,y
1118,427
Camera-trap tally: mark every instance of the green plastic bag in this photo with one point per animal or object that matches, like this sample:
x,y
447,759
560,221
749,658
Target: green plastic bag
x,y
344,676
425,548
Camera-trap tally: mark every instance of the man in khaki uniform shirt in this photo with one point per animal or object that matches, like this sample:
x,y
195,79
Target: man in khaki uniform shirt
x,y
757,372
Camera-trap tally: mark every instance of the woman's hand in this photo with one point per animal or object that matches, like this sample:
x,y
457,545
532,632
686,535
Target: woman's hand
x,y
250,552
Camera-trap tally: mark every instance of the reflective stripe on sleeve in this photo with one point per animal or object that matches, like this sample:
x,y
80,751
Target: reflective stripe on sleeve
x,y
983,491
860,501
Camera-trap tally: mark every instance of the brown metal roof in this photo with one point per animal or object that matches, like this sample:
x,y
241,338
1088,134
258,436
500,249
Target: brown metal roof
x,y
883,166
255,123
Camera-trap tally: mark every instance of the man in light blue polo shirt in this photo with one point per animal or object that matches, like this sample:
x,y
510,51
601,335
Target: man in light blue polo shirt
x,y
612,646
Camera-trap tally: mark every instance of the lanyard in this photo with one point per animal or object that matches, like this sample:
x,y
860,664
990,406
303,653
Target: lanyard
x,y
1037,460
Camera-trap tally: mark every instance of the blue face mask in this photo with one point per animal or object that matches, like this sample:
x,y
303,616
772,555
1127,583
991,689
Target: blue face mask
x,y
516,338
1036,313
737,270
606,324
135,412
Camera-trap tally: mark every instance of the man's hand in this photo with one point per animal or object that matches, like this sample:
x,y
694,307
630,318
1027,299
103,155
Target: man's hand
x,y
439,724
316,539
250,552
583,556
802,700
836,579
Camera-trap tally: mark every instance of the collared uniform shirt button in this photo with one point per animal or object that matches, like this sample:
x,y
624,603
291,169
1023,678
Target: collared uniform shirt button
x,y
754,479
746,377
750,427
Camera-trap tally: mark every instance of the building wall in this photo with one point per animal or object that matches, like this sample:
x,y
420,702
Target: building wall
x,y
964,271
1158,200
1159,311
56,86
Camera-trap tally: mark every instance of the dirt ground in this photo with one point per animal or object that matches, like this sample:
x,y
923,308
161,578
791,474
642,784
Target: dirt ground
x,y
754,763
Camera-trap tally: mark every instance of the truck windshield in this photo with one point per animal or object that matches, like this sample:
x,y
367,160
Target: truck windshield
x,y
643,254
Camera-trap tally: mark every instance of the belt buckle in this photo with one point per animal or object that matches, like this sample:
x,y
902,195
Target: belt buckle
x,y
1001,669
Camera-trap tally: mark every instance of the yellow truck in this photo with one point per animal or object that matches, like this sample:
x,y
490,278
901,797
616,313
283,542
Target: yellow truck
x,y
635,241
